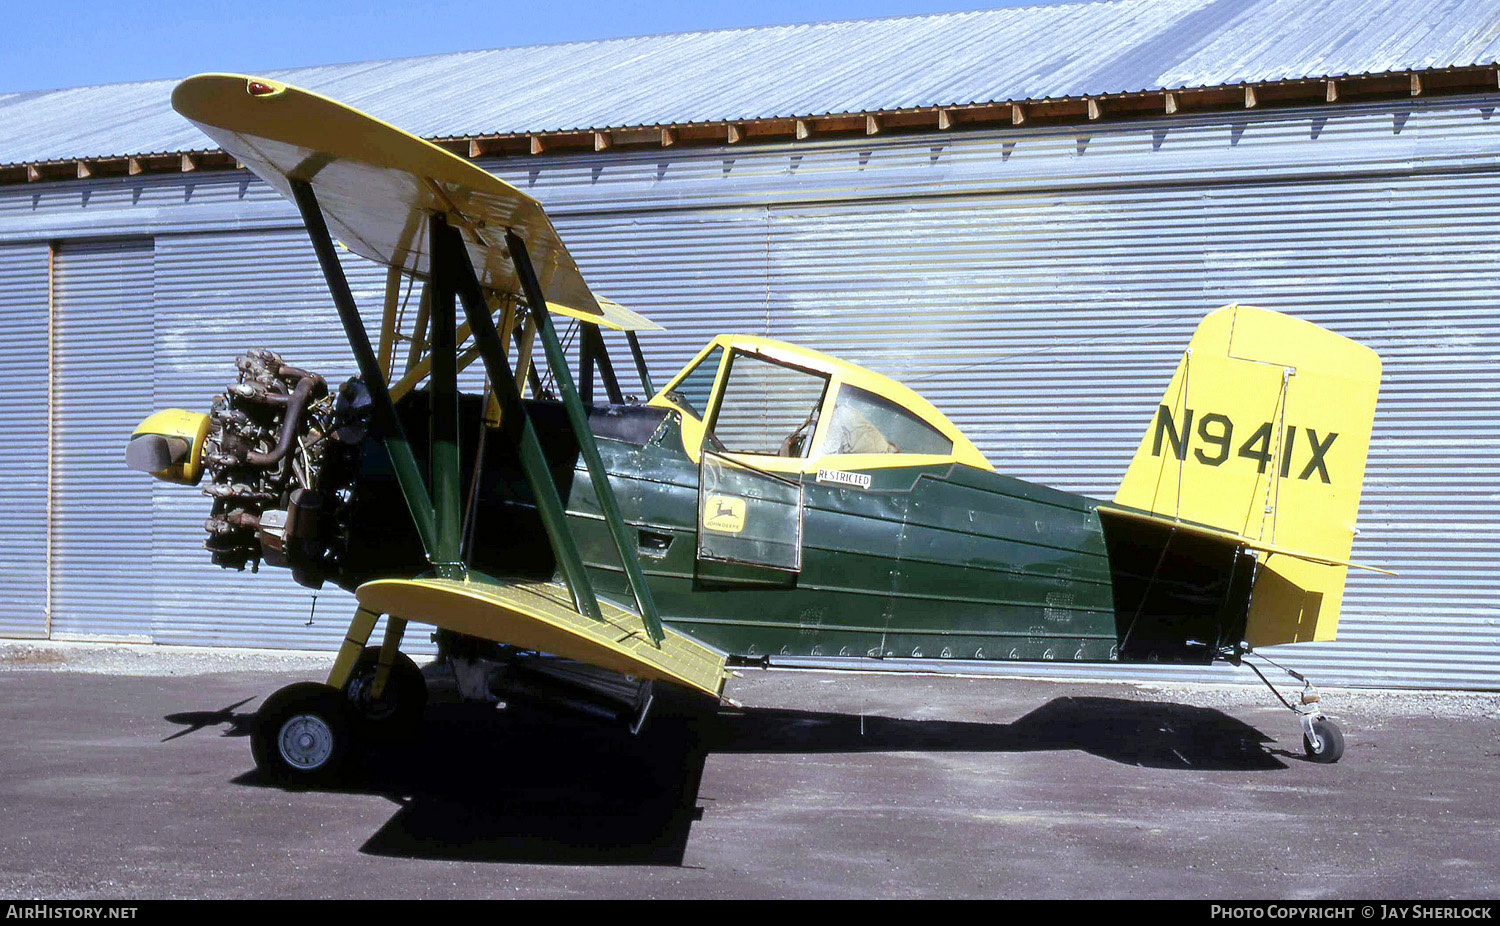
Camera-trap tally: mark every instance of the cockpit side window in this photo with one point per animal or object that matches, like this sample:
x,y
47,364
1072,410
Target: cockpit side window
x,y
693,391
863,422
768,408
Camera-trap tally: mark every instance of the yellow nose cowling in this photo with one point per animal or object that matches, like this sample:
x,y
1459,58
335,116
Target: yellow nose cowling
x,y
169,446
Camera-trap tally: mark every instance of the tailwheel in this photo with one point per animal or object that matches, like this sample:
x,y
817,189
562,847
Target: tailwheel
x,y
398,710
302,735
1323,741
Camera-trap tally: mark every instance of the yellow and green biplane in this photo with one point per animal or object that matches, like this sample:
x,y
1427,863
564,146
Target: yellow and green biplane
x,y
767,501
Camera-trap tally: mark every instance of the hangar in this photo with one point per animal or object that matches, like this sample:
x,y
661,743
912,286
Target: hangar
x,y
1021,213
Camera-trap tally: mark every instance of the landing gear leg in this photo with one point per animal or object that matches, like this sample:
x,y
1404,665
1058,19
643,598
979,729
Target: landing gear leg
x,y
354,644
1322,740
304,732
386,690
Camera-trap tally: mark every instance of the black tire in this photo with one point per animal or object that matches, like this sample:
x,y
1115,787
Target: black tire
x,y
399,710
1330,742
302,735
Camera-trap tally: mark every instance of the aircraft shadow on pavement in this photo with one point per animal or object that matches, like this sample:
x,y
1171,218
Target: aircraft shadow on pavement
x,y
193,721
1150,734
536,786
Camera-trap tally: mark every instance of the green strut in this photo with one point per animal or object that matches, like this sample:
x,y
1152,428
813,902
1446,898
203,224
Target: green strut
x,y
533,463
557,361
388,426
447,500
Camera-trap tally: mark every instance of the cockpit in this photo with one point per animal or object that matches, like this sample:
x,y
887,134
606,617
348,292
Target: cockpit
x,y
788,407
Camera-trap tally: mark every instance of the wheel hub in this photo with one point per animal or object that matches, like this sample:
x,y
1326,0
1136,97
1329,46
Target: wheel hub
x,y
306,741
360,694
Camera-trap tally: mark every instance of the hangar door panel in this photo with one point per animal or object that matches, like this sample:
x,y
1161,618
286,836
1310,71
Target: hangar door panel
x,y
696,272
23,422
102,584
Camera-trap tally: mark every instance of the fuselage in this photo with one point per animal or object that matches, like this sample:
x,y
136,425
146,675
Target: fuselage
x,y
943,561
935,560
786,503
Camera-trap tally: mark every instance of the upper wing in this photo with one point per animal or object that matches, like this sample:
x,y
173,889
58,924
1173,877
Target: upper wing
x,y
377,184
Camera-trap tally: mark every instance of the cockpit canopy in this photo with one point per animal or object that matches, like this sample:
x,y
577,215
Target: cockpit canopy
x,y
790,408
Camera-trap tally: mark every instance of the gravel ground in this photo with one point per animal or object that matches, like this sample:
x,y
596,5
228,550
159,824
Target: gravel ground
x,y
143,660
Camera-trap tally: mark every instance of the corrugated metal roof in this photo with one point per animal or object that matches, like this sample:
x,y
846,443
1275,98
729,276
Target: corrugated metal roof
x,y
944,59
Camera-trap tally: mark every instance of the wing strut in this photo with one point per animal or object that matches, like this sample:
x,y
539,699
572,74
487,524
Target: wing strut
x,y
558,362
450,255
640,363
439,515
442,412
594,355
408,474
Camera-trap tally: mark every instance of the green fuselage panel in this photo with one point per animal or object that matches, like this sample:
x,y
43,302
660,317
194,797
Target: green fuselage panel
x,y
940,561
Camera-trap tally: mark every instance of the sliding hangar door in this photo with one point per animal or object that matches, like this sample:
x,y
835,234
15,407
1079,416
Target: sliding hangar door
x,y
1038,285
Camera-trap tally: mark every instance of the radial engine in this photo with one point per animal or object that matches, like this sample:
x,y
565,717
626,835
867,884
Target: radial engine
x,y
280,452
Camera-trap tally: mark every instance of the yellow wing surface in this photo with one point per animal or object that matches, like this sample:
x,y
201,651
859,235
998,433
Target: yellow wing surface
x,y
615,316
1262,434
540,616
377,185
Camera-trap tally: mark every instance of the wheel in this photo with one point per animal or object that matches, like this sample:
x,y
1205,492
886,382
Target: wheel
x,y
1330,744
302,735
399,709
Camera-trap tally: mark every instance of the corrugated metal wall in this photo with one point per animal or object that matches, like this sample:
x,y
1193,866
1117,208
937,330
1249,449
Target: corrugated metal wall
x,y
1045,310
23,440
104,299
1037,284
1055,376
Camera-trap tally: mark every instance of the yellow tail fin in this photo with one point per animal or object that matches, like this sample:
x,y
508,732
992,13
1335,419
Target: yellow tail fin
x,y
1263,432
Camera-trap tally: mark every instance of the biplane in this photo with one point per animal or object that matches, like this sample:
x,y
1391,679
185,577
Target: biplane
x,y
767,501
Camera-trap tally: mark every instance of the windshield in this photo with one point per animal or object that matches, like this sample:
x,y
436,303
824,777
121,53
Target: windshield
x,y
692,392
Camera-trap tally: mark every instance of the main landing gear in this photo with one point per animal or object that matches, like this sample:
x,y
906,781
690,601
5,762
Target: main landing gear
x,y
1322,740
304,733
397,711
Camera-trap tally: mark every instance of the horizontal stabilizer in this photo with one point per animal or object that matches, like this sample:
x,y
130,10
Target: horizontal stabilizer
x,y
1206,531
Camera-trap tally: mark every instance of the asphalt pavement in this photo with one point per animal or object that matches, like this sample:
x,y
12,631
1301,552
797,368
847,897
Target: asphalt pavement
x,y
126,773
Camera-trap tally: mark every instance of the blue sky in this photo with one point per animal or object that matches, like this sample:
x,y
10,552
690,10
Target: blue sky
x,y
80,42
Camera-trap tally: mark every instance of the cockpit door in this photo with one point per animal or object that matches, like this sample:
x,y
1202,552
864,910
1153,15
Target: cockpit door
x,y
749,523
763,418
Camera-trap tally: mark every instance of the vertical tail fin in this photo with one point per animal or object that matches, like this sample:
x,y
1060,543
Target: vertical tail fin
x,y
1263,432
